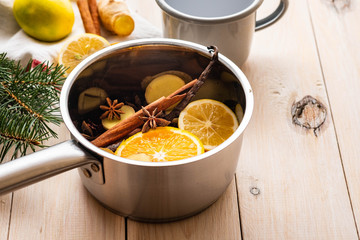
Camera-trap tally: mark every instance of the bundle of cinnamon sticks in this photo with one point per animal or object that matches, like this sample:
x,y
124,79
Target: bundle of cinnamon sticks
x,y
89,15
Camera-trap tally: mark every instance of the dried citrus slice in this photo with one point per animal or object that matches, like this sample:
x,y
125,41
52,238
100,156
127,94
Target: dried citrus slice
x,y
211,121
161,144
78,48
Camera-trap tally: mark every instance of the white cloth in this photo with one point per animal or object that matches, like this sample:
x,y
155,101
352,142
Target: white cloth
x,y
20,46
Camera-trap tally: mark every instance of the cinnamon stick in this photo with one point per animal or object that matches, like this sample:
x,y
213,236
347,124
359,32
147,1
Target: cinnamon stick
x,y
195,88
126,126
93,7
86,16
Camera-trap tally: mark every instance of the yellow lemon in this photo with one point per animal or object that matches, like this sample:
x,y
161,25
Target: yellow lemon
x,y
45,20
80,47
211,121
161,144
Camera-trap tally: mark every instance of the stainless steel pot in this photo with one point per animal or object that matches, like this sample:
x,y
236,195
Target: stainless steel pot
x,y
140,190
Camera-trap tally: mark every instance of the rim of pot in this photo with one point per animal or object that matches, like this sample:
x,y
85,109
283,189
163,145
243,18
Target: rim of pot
x,y
208,20
249,104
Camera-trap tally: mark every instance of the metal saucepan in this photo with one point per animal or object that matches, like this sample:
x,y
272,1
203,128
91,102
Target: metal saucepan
x,y
144,191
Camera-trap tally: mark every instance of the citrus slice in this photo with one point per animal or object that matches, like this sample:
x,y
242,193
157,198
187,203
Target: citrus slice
x,y
80,47
211,121
160,145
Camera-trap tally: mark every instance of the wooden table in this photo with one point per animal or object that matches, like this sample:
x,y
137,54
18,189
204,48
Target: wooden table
x,y
289,184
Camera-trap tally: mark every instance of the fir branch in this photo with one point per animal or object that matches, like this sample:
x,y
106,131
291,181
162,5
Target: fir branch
x,y
20,102
29,100
20,132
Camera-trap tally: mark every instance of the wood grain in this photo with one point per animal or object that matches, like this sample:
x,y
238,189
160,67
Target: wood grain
x,y
219,221
5,210
336,26
61,208
5,207
303,194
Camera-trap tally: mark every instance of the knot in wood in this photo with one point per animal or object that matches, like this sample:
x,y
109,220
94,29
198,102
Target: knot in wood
x,y
339,5
255,191
309,113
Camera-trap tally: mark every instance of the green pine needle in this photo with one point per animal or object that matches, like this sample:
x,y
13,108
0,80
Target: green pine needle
x,y
29,101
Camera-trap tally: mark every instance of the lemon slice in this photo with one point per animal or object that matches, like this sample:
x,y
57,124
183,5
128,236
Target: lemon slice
x,y
211,121
161,144
80,47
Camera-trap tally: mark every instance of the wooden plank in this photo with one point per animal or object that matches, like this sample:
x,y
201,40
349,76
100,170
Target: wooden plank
x,y
61,208
5,210
219,221
336,26
291,184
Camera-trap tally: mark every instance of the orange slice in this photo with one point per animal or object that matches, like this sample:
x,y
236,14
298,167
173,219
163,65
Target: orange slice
x,y
211,121
80,47
161,144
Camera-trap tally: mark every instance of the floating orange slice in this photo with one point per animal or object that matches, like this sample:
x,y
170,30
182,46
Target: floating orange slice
x,y
161,144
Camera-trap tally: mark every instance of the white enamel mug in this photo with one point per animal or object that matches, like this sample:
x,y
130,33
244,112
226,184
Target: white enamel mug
x,y
227,24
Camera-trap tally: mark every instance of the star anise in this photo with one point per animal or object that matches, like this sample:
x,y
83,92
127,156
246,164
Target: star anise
x,y
152,120
113,110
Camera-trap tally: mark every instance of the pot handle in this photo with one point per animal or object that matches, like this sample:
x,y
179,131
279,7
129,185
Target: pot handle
x,y
43,164
273,17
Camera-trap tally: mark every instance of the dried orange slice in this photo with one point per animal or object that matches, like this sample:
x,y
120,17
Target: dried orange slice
x,y
161,144
211,121
80,47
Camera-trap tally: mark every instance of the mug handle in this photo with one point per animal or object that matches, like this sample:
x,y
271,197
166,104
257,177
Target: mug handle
x,y
273,17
